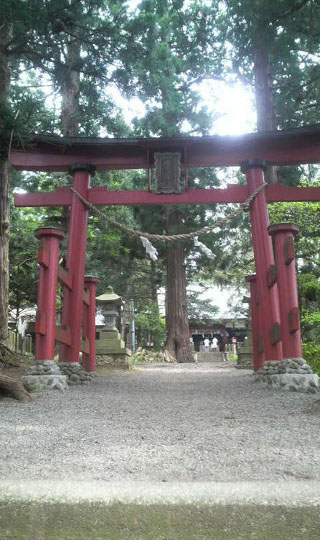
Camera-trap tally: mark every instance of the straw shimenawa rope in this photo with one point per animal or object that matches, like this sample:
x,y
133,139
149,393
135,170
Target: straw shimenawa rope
x,y
174,237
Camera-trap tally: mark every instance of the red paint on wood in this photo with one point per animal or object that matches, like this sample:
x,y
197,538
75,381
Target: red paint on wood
x,y
280,193
288,147
89,324
86,297
47,289
272,275
43,253
288,291
258,355
65,277
53,198
84,347
40,325
232,194
72,299
263,254
294,320
63,335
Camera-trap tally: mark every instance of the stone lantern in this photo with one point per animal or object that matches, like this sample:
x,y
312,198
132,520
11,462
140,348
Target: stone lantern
x,y
110,305
110,348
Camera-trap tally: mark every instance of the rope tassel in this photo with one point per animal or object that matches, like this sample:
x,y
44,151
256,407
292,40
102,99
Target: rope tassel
x,y
150,249
204,249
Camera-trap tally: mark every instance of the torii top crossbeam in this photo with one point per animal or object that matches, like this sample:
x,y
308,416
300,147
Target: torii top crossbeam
x,y
288,147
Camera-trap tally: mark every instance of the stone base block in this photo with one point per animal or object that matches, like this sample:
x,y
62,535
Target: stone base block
x,y
245,359
292,374
213,356
75,373
116,360
43,375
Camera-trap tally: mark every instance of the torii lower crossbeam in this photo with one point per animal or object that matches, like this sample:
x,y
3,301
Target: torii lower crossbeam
x,y
232,194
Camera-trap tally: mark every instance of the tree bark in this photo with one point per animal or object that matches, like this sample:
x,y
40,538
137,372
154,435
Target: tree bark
x,y
13,388
264,100
178,342
71,91
70,104
4,190
154,283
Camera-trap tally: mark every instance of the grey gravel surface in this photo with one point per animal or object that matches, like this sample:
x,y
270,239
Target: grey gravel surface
x,y
197,422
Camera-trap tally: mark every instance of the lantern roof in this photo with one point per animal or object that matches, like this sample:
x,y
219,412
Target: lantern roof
x,y
109,297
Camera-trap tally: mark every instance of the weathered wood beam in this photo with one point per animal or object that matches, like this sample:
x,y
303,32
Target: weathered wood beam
x,y
232,194
287,147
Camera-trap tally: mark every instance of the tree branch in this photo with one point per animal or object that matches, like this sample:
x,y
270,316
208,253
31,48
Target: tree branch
x,y
199,79
290,11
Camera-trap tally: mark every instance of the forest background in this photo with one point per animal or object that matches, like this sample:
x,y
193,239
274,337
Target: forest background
x,y
74,68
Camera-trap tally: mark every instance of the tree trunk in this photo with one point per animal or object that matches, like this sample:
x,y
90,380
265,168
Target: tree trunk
x,y
13,388
154,284
178,342
70,104
4,190
71,91
264,100
127,297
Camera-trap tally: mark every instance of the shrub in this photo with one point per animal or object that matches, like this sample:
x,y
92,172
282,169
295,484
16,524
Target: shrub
x,y
311,353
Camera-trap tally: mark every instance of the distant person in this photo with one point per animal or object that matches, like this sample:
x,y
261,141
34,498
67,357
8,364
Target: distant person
x,y
206,344
214,344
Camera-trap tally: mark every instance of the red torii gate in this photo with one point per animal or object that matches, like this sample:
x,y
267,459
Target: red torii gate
x,y
276,328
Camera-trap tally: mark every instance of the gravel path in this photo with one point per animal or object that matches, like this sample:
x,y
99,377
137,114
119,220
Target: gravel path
x,y
197,422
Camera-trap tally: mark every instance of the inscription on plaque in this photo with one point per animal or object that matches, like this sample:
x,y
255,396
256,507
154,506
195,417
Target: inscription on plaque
x,y
167,172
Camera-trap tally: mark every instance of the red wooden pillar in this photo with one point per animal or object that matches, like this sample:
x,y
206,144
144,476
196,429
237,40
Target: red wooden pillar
x,y
89,323
256,321
264,260
77,240
283,235
48,259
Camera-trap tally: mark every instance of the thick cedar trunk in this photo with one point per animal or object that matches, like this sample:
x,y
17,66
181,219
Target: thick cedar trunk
x,y
178,342
4,249
264,100
154,284
71,91
127,297
70,104
13,388
4,193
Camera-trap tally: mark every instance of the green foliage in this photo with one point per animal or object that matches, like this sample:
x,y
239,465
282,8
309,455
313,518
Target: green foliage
x,y
199,309
310,323
23,257
311,353
150,326
289,31
309,287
